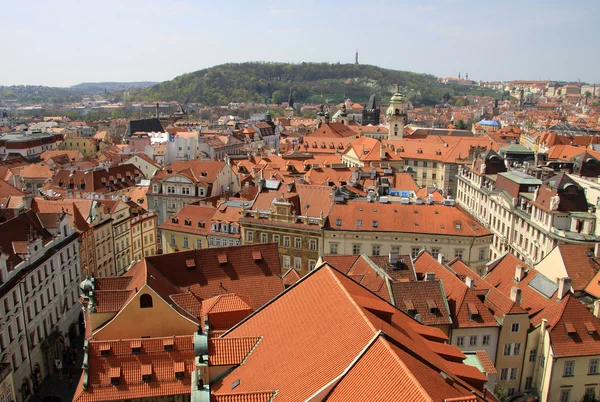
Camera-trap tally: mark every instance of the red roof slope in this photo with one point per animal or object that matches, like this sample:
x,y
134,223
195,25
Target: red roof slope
x,y
336,325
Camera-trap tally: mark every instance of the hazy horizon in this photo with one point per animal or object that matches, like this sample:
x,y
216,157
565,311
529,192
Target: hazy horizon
x,y
66,43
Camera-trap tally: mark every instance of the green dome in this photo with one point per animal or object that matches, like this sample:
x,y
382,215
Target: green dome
x,y
397,97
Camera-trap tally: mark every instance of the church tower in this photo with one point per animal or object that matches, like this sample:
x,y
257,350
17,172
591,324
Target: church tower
x,y
397,116
289,110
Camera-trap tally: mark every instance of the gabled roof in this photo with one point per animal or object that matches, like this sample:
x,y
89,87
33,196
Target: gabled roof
x,y
576,332
426,298
580,263
128,368
256,280
466,308
345,337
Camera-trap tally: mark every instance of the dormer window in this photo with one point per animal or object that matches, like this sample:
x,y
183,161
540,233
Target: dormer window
x,y
105,350
432,306
234,229
188,222
146,371
136,347
201,224
473,312
175,220
179,368
168,345
115,375
338,222
215,227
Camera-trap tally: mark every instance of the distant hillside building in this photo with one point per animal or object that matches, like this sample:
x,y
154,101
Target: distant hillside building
x,y
371,112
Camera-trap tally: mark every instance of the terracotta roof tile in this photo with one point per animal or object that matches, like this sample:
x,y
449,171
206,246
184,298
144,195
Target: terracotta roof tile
x,y
230,351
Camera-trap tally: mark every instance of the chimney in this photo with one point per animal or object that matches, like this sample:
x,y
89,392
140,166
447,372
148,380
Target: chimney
x,y
381,152
564,287
597,250
519,273
515,294
597,308
440,258
470,282
393,257
430,276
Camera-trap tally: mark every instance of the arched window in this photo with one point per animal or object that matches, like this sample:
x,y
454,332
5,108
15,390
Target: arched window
x,y
146,301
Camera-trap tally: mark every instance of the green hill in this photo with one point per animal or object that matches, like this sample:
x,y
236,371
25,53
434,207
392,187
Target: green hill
x,y
311,82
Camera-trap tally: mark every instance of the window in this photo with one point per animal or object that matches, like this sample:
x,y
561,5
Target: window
x,y
286,241
532,355
358,222
297,263
528,383
482,254
286,261
565,395
434,176
514,373
172,242
264,238
338,222
395,249
311,264
185,242
591,393
198,243
298,242
424,163
145,301
593,368
504,374
435,252
312,245
333,248
356,249
514,327
569,368
458,253
415,252
507,349
250,236
376,250
473,340
424,175
276,239
375,224
486,340
516,349
460,341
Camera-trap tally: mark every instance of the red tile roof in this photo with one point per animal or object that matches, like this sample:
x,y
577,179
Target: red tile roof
x,y
230,351
128,368
580,266
431,219
571,335
336,324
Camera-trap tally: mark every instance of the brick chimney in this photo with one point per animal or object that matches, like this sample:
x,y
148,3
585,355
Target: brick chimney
x,y
515,294
564,287
519,273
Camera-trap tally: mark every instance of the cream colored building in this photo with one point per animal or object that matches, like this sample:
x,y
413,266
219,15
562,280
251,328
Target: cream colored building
x,y
526,216
378,229
147,165
144,238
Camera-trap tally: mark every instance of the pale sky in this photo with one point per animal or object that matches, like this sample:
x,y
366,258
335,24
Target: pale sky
x,y
62,43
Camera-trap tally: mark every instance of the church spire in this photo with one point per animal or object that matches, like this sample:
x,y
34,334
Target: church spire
x,y
356,58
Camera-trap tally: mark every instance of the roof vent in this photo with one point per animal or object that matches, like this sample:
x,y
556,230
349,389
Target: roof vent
x,y
190,263
179,368
168,344
136,347
222,259
146,370
115,375
256,255
104,350
570,328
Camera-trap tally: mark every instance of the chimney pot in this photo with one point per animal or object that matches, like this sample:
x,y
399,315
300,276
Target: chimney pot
x,y
564,287
519,273
440,258
515,294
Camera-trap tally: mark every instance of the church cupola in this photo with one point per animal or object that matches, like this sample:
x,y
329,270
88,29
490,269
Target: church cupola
x,y
397,116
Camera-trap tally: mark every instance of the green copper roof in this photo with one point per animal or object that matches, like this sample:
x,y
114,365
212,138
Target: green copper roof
x,y
397,97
